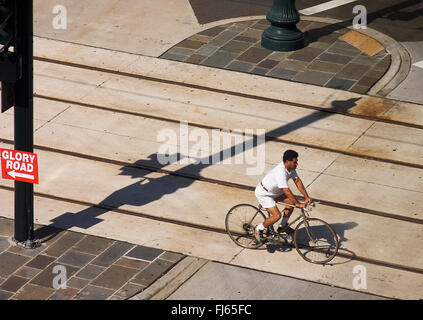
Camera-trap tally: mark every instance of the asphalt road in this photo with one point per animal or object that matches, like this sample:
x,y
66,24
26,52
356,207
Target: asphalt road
x,y
397,18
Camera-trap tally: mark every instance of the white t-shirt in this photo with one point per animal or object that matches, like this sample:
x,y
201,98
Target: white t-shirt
x,y
277,179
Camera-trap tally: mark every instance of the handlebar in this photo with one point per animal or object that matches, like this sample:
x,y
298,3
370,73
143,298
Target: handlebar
x,y
313,204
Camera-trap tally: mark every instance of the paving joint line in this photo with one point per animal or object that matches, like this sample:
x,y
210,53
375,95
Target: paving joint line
x,y
369,182
54,117
129,282
89,46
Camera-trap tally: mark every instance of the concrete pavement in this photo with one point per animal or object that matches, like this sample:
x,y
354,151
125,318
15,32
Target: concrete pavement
x,y
119,25
234,283
156,195
106,124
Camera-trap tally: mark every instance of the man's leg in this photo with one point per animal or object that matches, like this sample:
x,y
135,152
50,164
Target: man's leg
x,y
275,214
287,211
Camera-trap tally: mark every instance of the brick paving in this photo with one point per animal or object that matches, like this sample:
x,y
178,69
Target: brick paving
x,y
327,61
96,268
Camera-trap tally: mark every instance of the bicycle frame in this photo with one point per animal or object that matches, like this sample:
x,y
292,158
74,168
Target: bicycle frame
x,y
306,241
304,215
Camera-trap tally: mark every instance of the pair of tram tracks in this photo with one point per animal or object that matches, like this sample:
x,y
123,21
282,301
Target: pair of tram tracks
x,y
350,256
228,92
233,93
181,174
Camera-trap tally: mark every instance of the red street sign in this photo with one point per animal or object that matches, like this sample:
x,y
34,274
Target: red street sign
x,y
19,165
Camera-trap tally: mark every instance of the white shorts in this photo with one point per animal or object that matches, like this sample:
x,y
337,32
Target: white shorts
x,y
265,200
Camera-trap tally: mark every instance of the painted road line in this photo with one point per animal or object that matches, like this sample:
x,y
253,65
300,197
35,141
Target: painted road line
x,y
325,6
419,64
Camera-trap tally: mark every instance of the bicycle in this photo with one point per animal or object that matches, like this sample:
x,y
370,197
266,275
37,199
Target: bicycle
x,y
316,242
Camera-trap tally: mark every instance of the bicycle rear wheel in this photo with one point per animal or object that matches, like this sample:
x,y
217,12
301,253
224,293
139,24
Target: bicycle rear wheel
x,y
316,241
240,223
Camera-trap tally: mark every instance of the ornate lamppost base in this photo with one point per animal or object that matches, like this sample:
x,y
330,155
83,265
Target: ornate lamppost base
x,y
283,34
283,40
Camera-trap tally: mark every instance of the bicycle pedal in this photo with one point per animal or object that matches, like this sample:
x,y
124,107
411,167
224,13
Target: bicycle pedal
x,y
287,238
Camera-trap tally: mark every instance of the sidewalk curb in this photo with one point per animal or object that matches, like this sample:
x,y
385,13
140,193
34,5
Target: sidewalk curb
x,y
171,281
399,68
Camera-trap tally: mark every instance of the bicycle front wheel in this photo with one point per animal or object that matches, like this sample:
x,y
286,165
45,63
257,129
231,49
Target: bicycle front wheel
x,y
240,223
316,241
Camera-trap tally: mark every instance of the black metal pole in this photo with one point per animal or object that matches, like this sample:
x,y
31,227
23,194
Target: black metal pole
x,y
24,122
283,34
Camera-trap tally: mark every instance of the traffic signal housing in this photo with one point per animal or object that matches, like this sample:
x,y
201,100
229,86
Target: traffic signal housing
x,y
10,62
7,23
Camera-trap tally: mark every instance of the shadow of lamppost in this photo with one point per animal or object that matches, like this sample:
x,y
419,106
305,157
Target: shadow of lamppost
x,y
283,34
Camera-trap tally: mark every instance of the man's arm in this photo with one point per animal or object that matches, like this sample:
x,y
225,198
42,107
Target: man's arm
x,y
302,189
291,197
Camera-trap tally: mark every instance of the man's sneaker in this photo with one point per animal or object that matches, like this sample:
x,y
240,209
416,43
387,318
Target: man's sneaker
x,y
285,228
258,234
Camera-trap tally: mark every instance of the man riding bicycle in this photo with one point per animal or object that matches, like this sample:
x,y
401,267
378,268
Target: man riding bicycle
x,y
274,188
